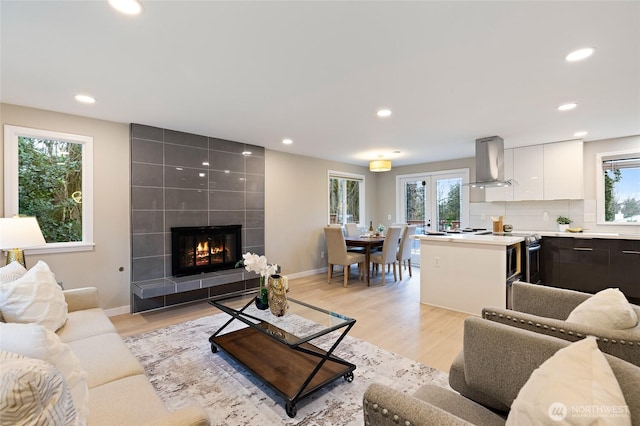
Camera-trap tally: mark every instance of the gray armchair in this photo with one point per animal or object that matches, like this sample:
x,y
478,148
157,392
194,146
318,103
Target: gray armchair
x,y
543,310
494,364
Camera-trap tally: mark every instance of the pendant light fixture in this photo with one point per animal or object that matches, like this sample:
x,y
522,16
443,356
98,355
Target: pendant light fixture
x,y
380,165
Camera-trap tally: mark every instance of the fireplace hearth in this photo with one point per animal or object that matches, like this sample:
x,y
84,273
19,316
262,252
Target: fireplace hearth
x,y
200,249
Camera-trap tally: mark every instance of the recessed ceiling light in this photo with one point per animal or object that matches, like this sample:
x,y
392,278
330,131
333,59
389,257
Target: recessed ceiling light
x,y
579,54
85,99
202,174
128,7
567,107
205,163
580,134
246,152
287,141
384,113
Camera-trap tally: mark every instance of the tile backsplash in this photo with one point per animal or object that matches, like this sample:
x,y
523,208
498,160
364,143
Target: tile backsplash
x,y
541,215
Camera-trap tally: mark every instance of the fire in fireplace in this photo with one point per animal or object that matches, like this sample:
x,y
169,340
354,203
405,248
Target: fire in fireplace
x,y
199,249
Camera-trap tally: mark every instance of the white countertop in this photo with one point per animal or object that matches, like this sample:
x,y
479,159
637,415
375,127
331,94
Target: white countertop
x,y
507,240
469,238
609,235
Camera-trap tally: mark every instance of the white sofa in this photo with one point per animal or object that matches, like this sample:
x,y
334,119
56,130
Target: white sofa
x,y
119,392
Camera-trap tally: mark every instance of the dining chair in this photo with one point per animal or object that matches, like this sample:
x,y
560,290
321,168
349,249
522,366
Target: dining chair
x,y
352,229
404,249
337,254
388,255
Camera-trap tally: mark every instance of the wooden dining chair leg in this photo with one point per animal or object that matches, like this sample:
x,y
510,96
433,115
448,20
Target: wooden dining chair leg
x,y
400,271
345,270
395,276
383,275
329,273
409,263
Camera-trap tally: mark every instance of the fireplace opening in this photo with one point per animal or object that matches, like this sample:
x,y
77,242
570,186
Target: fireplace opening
x,y
200,249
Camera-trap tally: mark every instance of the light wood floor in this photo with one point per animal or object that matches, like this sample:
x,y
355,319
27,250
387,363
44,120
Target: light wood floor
x,y
389,316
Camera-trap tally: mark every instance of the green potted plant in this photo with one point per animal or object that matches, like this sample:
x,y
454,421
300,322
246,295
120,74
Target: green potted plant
x,y
563,223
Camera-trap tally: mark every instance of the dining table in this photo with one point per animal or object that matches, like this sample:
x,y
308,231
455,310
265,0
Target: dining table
x,y
368,243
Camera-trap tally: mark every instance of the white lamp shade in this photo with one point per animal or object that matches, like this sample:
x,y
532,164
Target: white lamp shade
x,y
380,165
20,232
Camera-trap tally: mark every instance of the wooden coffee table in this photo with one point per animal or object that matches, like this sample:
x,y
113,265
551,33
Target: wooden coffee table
x,y
277,350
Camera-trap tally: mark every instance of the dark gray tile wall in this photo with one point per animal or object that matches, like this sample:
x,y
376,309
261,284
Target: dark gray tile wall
x,y
182,179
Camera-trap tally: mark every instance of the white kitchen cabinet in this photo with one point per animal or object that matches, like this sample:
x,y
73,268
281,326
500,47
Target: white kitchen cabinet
x,y
502,193
528,172
563,170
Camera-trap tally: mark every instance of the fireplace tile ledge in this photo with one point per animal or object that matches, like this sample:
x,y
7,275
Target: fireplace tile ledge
x,y
172,285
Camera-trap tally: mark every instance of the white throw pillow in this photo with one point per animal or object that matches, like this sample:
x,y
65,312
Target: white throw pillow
x,y
33,392
35,297
606,309
11,272
576,386
35,341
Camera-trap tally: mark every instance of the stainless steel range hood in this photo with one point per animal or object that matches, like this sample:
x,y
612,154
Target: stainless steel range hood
x,y
490,163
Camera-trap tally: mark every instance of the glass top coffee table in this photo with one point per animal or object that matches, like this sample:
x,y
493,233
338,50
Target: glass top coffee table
x,y
277,350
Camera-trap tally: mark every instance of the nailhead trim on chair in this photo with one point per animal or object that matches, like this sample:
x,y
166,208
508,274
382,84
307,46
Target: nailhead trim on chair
x,y
558,330
375,407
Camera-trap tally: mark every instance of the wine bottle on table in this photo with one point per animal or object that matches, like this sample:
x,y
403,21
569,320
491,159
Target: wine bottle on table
x,y
371,226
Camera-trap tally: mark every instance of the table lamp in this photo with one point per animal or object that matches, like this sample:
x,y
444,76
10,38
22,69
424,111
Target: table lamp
x,y
17,233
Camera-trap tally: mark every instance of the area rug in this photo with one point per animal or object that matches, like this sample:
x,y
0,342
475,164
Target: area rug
x,y
180,365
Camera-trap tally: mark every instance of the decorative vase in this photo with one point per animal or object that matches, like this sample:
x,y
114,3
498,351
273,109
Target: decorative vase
x,y
277,295
562,227
262,300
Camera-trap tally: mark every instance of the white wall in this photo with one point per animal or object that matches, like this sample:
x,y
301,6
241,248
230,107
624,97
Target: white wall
x,y
297,206
100,267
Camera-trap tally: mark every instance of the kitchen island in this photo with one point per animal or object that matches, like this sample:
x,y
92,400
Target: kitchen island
x,y
465,272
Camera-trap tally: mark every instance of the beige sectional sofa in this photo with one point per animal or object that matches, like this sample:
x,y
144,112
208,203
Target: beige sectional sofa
x,y
119,391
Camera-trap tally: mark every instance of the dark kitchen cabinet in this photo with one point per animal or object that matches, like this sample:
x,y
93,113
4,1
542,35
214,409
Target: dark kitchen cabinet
x,y
625,267
591,265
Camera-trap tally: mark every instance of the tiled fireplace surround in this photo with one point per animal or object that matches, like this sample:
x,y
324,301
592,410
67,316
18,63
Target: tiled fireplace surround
x,y
172,185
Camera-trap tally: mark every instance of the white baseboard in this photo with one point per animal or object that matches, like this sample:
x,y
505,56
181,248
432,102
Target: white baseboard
x,y
117,311
307,273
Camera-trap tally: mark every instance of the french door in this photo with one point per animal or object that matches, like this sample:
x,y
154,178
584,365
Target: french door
x,y
434,202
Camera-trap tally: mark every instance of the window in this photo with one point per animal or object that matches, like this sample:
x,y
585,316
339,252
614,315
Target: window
x,y
618,196
346,198
49,175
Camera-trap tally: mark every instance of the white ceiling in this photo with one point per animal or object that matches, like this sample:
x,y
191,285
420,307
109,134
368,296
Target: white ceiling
x,y
317,72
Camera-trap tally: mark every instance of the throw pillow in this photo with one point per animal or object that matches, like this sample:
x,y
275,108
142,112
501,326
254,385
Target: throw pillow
x,y
33,392
576,386
36,341
606,309
35,297
11,272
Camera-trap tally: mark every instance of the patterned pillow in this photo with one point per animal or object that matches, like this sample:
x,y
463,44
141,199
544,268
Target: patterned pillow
x,y
35,297
11,272
35,341
33,392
